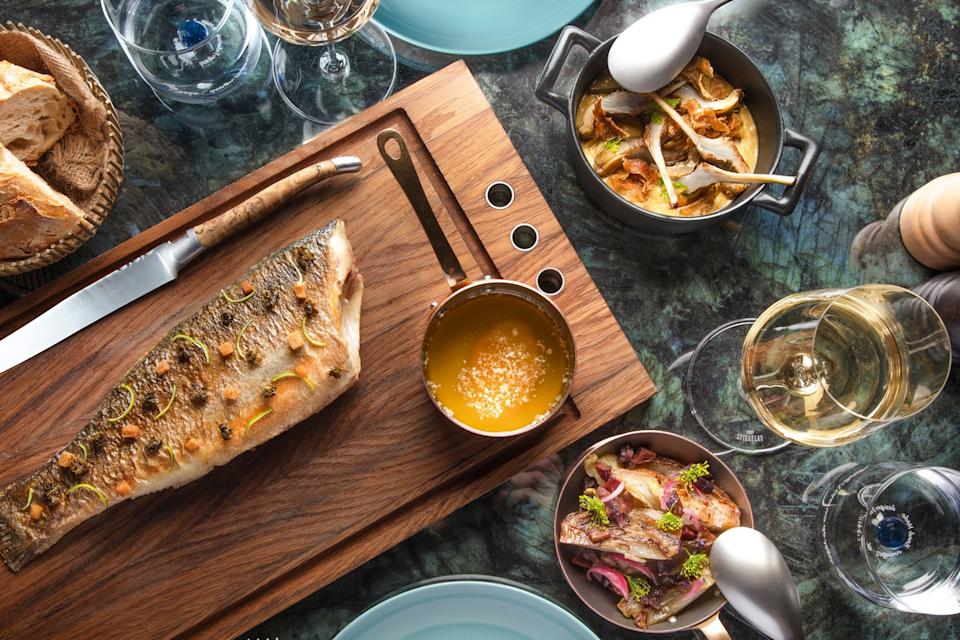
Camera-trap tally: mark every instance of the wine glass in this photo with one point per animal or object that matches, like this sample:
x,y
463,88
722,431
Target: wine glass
x,y
190,51
820,368
891,532
322,73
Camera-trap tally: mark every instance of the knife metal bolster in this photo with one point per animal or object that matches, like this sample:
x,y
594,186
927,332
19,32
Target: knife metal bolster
x,y
178,253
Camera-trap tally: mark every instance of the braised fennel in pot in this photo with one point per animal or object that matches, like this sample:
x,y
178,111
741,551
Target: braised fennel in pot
x,y
686,150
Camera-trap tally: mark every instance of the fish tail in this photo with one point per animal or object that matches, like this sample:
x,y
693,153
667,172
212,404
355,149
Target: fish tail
x,y
15,550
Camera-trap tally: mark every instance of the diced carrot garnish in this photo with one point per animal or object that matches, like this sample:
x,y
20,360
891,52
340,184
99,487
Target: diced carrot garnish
x,y
300,290
36,510
130,431
123,488
302,370
295,340
246,286
231,393
192,444
226,349
162,367
66,459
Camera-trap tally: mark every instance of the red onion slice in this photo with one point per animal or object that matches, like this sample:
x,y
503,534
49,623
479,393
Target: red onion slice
x,y
667,490
614,577
613,494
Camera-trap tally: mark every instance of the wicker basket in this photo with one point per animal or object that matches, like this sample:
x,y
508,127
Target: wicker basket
x,y
111,175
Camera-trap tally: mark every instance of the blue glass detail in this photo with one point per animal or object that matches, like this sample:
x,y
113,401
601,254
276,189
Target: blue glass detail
x,y
893,532
192,32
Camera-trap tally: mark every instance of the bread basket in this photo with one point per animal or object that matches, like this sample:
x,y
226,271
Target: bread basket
x,y
111,170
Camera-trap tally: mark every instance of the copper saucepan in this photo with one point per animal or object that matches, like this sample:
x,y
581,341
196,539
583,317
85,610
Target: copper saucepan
x,y
462,289
703,614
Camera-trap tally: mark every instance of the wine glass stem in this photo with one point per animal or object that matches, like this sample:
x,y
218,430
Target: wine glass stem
x,y
334,64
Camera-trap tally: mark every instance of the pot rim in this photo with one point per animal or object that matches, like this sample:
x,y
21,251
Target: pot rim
x,y
564,327
728,210
746,516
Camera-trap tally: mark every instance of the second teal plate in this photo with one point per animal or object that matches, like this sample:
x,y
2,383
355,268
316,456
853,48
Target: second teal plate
x,y
473,609
476,27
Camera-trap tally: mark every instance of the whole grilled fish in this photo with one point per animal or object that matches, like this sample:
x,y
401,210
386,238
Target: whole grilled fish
x,y
273,349
638,539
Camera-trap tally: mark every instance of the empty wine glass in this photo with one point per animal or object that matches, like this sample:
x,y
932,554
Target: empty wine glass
x,y
891,532
821,368
323,74
192,51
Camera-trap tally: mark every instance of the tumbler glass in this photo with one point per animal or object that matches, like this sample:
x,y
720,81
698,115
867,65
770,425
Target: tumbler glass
x,y
193,51
891,532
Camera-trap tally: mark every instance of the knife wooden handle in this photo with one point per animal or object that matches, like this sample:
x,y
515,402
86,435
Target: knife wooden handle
x,y
260,205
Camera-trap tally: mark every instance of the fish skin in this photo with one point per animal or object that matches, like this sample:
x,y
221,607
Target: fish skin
x,y
333,287
639,539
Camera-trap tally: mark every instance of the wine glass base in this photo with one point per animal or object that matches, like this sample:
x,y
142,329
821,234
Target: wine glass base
x,y
326,85
715,395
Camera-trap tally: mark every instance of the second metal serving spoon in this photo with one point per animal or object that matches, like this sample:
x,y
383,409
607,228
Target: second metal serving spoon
x,y
654,49
755,580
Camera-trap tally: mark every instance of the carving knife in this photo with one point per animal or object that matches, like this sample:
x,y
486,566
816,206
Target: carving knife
x,y
157,267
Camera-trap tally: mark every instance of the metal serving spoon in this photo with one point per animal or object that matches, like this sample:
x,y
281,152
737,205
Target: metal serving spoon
x,y
754,578
654,49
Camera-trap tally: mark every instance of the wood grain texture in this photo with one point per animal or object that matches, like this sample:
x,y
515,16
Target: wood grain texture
x,y
211,559
261,204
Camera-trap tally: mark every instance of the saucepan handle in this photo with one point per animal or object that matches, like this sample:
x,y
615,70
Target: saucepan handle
x,y
786,203
406,174
547,79
713,629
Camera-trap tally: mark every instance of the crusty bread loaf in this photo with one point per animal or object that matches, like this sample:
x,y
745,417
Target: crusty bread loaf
x,y
34,114
33,215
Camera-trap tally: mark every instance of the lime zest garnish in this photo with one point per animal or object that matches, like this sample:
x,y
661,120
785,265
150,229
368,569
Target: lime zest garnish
x,y
293,374
306,334
595,507
83,448
612,144
257,418
197,343
226,296
639,587
673,102
173,394
171,455
126,411
240,352
669,522
90,487
29,500
297,267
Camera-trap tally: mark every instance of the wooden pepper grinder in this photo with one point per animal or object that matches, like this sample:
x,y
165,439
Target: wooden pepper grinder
x,y
943,293
919,236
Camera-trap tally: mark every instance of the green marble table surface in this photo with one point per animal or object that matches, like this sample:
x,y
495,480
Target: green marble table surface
x,y
875,81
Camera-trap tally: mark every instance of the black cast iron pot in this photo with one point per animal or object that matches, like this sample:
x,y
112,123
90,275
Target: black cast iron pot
x,y
731,63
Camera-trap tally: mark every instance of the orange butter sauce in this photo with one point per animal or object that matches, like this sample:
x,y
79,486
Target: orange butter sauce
x,y
496,362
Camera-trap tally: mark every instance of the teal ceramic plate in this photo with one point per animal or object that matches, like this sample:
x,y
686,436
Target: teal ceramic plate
x,y
476,27
466,609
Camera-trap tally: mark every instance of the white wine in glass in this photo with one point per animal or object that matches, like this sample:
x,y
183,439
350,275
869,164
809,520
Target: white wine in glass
x,y
323,74
824,368
313,22
820,368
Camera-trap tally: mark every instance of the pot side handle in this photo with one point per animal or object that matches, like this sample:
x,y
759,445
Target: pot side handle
x,y
786,203
569,37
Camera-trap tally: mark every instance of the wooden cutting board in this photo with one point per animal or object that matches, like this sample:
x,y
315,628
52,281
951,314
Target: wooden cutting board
x,y
212,559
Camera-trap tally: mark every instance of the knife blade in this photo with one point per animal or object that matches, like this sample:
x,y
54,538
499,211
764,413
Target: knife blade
x,y
157,267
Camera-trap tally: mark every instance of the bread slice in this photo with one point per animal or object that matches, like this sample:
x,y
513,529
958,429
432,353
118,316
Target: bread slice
x,y
33,215
34,114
